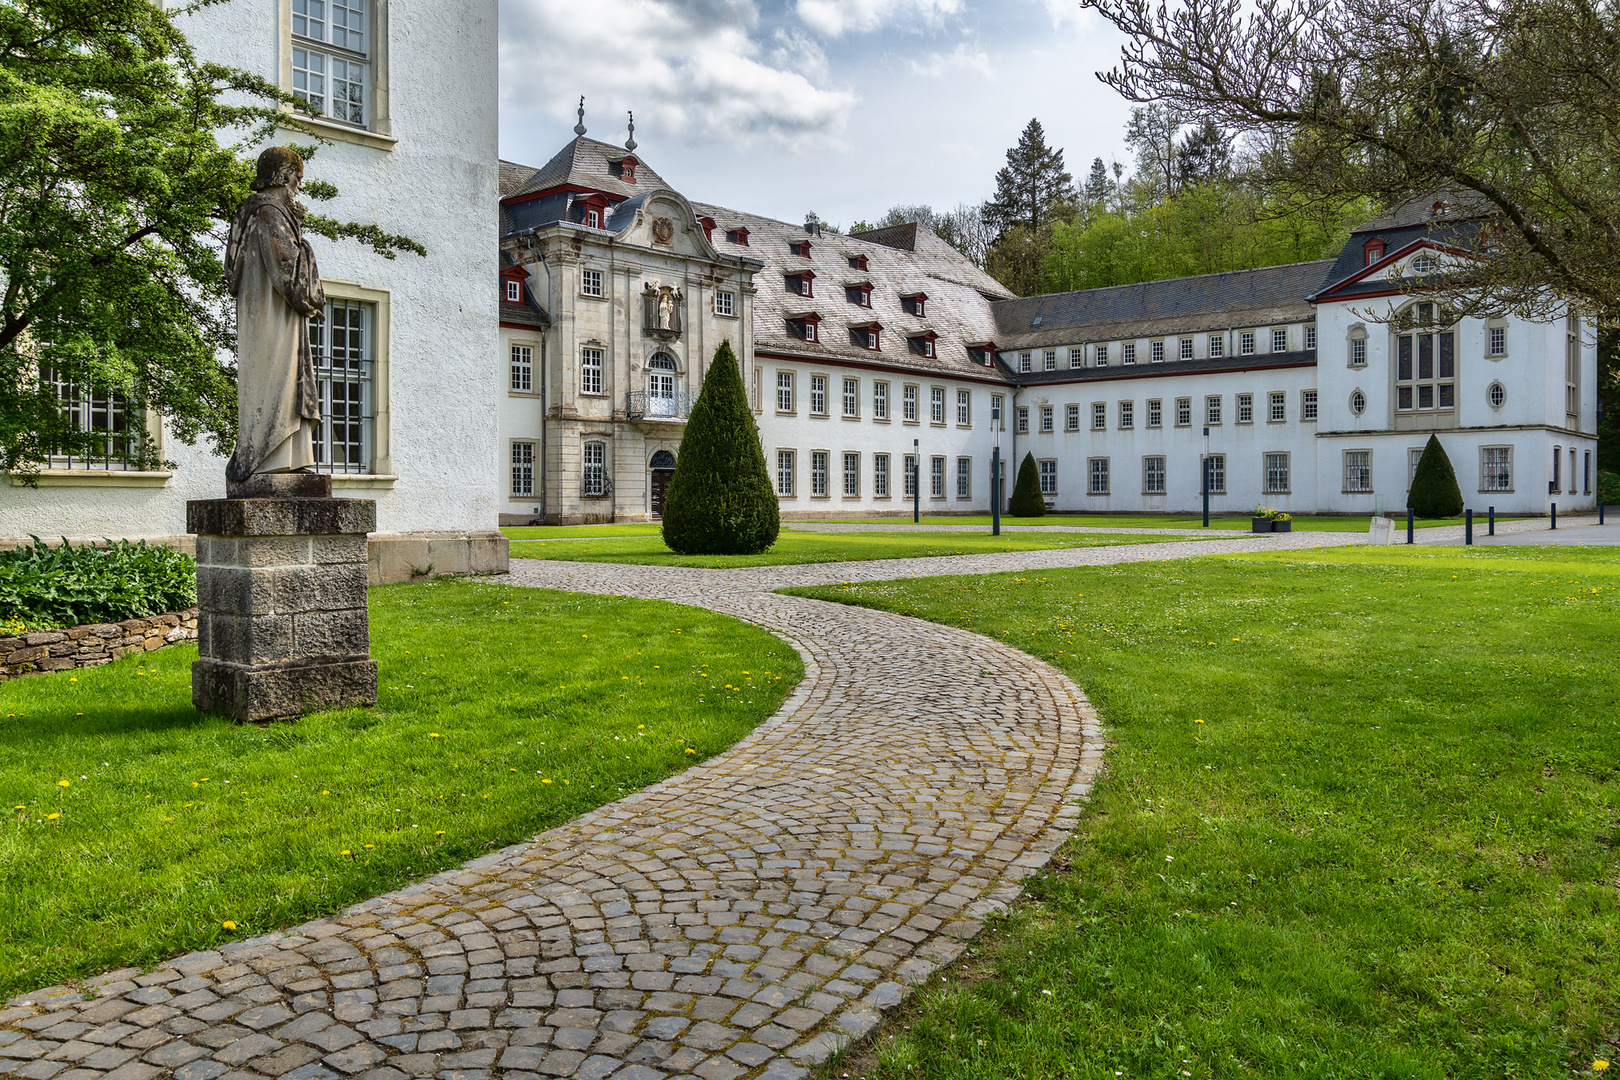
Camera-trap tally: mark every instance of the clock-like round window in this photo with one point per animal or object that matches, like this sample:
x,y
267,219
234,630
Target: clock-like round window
x,y
1496,394
1358,403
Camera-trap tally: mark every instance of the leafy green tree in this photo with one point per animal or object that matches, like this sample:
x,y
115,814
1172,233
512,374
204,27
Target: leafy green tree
x,y
1434,491
720,500
1027,500
115,185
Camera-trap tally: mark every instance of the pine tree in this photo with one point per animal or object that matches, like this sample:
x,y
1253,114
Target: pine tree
x,y
1099,190
720,500
1034,187
1027,500
1434,491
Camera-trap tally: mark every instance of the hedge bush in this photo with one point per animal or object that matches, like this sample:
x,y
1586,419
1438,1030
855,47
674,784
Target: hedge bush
x,y
1027,500
43,587
1434,491
720,500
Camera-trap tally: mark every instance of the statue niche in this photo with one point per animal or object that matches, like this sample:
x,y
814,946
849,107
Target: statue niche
x,y
661,311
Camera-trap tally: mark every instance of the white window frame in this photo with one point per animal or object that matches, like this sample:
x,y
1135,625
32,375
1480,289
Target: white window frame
x,y
1217,346
1246,343
880,476
880,401
522,368
964,408
1021,422
592,360
1183,412
590,284
1097,478
1357,470
784,391
1245,408
908,483
818,395
1071,417
818,474
1048,474
1127,353
1155,413
786,467
1156,352
1279,340
1212,410
593,469
1023,362
1277,407
1217,474
1099,416
522,469
1049,360
852,475
348,381
1308,407
514,291
1153,474
964,478
1500,480
936,477
1358,403
320,50
1186,348
1077,357
1310,338
1047,419
1099,355
908,403
852,398
1276,472
1496,341
725,304
1127,415
936,405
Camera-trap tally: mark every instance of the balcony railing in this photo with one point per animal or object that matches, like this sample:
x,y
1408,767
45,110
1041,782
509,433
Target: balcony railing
x,y
642,405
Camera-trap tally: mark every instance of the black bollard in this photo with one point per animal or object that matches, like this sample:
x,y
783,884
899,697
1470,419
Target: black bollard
x,y
1409,538
1600,511
1468,527
1555,515
1492,525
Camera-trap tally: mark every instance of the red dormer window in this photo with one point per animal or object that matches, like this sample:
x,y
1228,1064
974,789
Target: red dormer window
x,y
593,210
512,284
805,326
514,292
737,236
983,354
860,293
708,228
857,262
625,169
800,283
593,219
866,336
800,248
1374,250
913,304
923,344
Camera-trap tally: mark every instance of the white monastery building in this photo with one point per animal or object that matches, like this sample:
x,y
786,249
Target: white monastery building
x,y
1311,387
406,355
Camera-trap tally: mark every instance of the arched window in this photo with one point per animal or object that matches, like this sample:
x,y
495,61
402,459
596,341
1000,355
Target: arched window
x,y
1358,346
662,460
1425,359
661,385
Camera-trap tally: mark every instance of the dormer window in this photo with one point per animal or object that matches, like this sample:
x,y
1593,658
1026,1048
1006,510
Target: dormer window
x,y
1374,251
514,292
923,344
805,326
800,248
857,262
866,337
983,353
913,304
800,283
593,219
859,293
707,223
809,331
737,236
625,169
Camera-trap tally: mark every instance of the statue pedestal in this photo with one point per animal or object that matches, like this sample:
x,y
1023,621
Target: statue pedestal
x,y
281,591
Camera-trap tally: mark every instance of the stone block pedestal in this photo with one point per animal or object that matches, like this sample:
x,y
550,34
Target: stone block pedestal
x,y
281,591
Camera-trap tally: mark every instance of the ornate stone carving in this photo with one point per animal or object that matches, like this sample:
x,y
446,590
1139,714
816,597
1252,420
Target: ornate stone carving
x,y
663,231
661,311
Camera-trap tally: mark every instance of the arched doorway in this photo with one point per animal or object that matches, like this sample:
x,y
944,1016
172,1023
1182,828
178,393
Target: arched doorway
x,y
661,385
661,469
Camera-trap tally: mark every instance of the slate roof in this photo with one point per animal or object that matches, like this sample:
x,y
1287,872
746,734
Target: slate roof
x,y
582,163
1267,297
527,312
957,309
1257,362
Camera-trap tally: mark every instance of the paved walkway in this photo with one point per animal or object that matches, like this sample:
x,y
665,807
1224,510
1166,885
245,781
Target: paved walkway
x,y
740,919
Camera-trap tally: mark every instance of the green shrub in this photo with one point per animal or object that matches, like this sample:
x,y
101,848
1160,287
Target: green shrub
x,y
41,586
1027,500
1434,491
1608,488
720,500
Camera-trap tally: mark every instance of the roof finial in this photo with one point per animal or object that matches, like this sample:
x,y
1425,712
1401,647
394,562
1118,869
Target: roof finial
x,y
579,128
630,143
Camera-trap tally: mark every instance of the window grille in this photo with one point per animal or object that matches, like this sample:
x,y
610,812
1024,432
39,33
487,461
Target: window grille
x,y
594,480
1048,474
1496,468
1276,474
1307,404
1127,415
852,397
964,407
341,348
590,371
818,473
908,404
1099,476
1216,467
1155,414
964,478
522,369
818,395
97,412
852,475
936,404
910,480
937,477
522,469
1358,471
880,401
1279,407
880,476
1153,476
784,472
784,391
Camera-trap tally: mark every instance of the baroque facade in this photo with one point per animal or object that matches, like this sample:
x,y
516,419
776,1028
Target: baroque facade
x,y
404,352
1311,387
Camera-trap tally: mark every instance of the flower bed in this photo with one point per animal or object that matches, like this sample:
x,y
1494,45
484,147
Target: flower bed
x,y
93,644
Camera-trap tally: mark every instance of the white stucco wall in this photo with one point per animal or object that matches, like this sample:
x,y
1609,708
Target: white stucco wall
x,y
436,182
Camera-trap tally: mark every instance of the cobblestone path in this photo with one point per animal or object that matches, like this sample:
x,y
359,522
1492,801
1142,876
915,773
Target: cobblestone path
x,y
740,919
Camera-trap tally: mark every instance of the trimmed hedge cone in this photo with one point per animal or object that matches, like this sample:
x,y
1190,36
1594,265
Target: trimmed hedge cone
x,y
720,500
1434,491
1027,500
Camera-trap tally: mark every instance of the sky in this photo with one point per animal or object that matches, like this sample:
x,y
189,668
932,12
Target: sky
x,y
841,107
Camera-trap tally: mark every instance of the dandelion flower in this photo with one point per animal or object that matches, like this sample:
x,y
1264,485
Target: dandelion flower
x,y
326,793
370,846
20,806
433,734
63,783
544,781
227,925
1600,1065
689,750
1198,721
511,770
75,678
52,817
439,832
345,851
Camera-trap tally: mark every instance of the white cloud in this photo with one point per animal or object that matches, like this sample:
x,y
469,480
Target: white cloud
x,y
838,17
956,62
688,67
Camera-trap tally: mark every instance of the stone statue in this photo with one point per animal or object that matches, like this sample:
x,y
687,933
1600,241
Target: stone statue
x,y
666,311
270,268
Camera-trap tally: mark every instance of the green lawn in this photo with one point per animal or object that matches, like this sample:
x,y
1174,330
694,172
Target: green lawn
x,y
140,827
572,532
804,547
1359,819
1302,523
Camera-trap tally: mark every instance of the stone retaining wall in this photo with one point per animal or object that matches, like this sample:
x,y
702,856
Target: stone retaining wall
x,y
93,645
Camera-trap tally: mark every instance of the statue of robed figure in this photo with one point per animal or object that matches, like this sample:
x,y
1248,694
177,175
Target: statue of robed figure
x,y
270,268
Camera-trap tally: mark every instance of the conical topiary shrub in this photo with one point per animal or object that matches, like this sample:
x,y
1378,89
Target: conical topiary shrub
x,y
1026,498
720,500
1434,491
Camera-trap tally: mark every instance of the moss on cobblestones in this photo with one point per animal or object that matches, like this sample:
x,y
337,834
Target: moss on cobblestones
x,y
1358,820
133,828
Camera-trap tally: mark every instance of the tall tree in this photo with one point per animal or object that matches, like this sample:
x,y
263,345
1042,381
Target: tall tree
x,y
1510,106
1098,193
1204,155
1151,133
1033,188
122,155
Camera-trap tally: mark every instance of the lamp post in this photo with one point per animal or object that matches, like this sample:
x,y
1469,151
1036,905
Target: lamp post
x,y
995,472
1205,462
916,482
